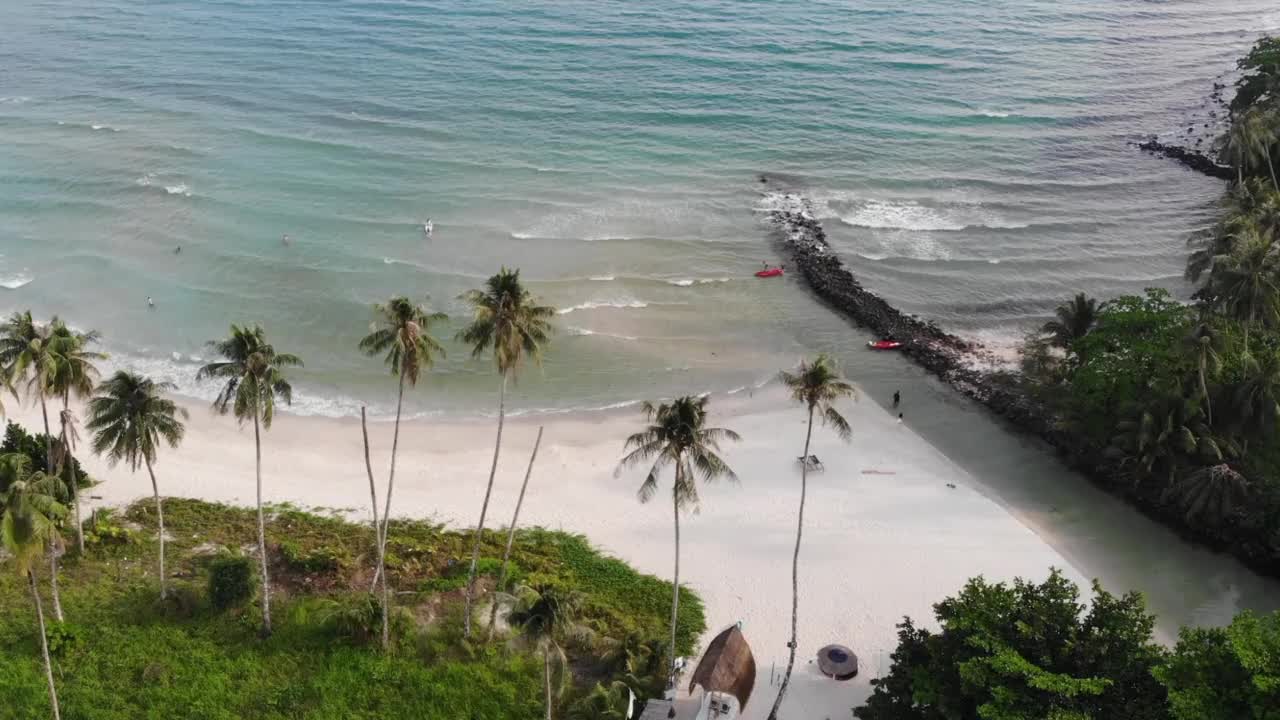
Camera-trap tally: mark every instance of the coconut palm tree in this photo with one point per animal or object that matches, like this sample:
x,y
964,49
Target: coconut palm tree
x,y
1215,492
817,386
676,435
29,515
545,614
1246,283
1251,204
1202,343
511,534
254,378
1235,148
1075,319
130,417
28,353
75,375
1260,136
508,320
404,335
1256,399
1166,436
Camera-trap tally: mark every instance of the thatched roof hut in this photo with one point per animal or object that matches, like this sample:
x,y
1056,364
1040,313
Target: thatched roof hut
x,y
838,661
727,667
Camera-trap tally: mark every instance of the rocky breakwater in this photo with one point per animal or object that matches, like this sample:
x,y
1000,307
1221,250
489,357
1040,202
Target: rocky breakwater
x,y
959,362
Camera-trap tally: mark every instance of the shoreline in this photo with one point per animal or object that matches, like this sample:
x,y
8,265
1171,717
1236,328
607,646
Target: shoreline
x,y
884,535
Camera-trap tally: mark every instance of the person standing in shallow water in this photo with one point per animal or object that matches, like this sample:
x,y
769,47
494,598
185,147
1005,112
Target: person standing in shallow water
x,y
897,398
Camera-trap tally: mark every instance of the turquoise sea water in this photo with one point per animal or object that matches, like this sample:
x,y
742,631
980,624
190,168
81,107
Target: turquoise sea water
x,y
969,159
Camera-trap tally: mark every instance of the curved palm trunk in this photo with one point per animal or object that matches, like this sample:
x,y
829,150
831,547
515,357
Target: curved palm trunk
x,y
546,678
675,575
262,529
73,484
44,646
484,509
155,492
1204,390
1272,169
377,534
795,572
511,534
391,478
53,583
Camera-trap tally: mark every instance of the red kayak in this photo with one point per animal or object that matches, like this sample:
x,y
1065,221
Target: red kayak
x,y
771,272
884,344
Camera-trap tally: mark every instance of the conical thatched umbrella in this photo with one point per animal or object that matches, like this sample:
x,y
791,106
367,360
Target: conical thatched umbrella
x,y
837,661
727,667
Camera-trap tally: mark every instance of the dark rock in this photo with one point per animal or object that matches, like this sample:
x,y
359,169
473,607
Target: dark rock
x,y
1193,159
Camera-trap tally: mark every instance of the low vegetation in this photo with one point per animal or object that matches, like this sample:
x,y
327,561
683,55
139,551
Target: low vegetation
x,y
123,653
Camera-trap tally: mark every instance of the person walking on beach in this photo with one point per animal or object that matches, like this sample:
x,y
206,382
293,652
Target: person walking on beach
x,y
897,398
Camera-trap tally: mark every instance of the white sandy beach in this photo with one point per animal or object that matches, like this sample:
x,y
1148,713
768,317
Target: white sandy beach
x,y
884,535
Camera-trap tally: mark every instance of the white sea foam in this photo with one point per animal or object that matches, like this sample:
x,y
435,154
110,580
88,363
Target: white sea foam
x,y
179,189
13,281
584,332
605,304
96,126
388,261
994,113
15,100
603,278
686,282
681,283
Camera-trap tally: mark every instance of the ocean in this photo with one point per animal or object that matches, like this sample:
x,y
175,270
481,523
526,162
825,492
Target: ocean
x,y
970,160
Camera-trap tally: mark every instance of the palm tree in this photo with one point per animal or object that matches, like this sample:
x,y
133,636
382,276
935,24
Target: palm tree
x,y
28,353
511,534
1251,204
1256,398
129,418
1215,491
677,435
545,614
817,386
406,339
1259,127
1202,343
509,320
604,702
254,375
1167,436
74,374
1247,283
1075,319
29,515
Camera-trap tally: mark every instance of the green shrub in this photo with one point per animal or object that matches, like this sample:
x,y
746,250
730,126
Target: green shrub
x,y
62,638
183,600
230,581
324,559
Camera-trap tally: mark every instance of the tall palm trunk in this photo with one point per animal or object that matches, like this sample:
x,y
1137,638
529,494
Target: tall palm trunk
x,y
1204,389
48,439
73,483
377,535
1272,169
511,534
795,573
391,479
155,492
546,677
53,583
484,509
262,528
44,646
675,575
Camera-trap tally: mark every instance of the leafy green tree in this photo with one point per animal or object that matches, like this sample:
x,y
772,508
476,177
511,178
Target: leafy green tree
x,y
1230,673
1134,353
508,320
604,702
405,337
74,374
818,387
253,375
27,354
545,615
130,418
1259,83
29,515
677,435
1026,651
1075,319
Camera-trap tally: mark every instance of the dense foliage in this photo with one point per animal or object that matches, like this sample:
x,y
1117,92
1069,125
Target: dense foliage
x,y
18,440
123,655
1177,405
1034,651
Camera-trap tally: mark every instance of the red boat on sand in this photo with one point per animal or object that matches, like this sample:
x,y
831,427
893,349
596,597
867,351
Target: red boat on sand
x,y
771,272
884,344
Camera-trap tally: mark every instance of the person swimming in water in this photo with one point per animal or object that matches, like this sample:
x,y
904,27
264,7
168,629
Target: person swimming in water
x,y
428,227
150,303
177,250
284,239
